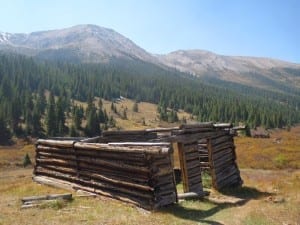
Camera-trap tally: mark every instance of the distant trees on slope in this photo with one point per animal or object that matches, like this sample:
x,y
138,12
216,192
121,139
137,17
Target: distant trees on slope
x,y
25,110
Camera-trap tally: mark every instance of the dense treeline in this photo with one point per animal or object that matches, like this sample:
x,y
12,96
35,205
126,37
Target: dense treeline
x,y
25,109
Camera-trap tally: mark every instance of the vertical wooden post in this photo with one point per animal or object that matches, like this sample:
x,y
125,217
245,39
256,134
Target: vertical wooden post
x,y
183,166
211,163
171,157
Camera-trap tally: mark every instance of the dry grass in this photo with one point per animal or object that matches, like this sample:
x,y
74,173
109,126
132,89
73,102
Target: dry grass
x,y
267,197
281,150
146,117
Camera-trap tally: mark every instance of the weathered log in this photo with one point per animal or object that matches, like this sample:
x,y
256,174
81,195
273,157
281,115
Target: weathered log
x,y
220,154
233,179
67,196
223,125
221,140
159,129
112,164
193,164
223,146
55,156
156,149
71,171
71,186
124,132
224,163
114,181
65,163
228,154
192,156
191,195
116,189
192,130
56,143
196,188
91,140
197,125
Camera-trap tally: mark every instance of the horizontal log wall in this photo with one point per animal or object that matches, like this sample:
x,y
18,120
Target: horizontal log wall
x,y
192,168
203,154
222,159
139,174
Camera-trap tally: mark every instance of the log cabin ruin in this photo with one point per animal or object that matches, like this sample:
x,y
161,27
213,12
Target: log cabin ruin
x,y
138,166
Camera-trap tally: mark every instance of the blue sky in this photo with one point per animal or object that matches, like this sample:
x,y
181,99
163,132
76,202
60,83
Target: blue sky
x,y
263,28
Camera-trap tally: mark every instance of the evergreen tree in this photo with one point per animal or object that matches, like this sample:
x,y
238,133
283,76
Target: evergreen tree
x,y
135,107
5,134
60,117
51,117
92,126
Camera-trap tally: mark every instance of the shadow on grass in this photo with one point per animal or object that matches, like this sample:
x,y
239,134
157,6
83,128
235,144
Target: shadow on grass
x,y
204,208
245,193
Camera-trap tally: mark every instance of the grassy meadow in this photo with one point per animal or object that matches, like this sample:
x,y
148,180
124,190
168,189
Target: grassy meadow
x,y
270,169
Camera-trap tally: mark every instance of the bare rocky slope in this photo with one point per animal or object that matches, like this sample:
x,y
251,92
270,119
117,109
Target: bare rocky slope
x,y
84,43
251,71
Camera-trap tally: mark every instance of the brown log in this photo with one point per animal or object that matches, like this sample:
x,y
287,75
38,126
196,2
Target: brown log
x,y
223,163
71,171
197,125
91,140
220,154
117,189
165,201
223,146
193,164
221,140
118,182
65,163
112,164
56,143
55,156
159,129
119,148
191,195
67,196
70,186
227,182
192,156
223,125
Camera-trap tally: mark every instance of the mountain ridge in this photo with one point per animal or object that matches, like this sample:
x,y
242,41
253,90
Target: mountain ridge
x,y
89,43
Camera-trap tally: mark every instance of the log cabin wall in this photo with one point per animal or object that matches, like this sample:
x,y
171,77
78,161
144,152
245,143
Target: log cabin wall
x,y
137,166
141,174
222,161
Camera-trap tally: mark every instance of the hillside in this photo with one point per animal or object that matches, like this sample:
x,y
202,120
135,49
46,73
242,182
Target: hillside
x,y
256,72
25,110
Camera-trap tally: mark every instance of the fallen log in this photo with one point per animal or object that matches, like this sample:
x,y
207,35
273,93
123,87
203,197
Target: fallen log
x,y
67,196
191,195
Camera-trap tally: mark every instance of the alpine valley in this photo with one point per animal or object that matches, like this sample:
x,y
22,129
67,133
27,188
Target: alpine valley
x,y
87,61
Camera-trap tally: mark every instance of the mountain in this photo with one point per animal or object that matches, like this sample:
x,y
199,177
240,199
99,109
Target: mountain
x,y
94,44
82,43
251,71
